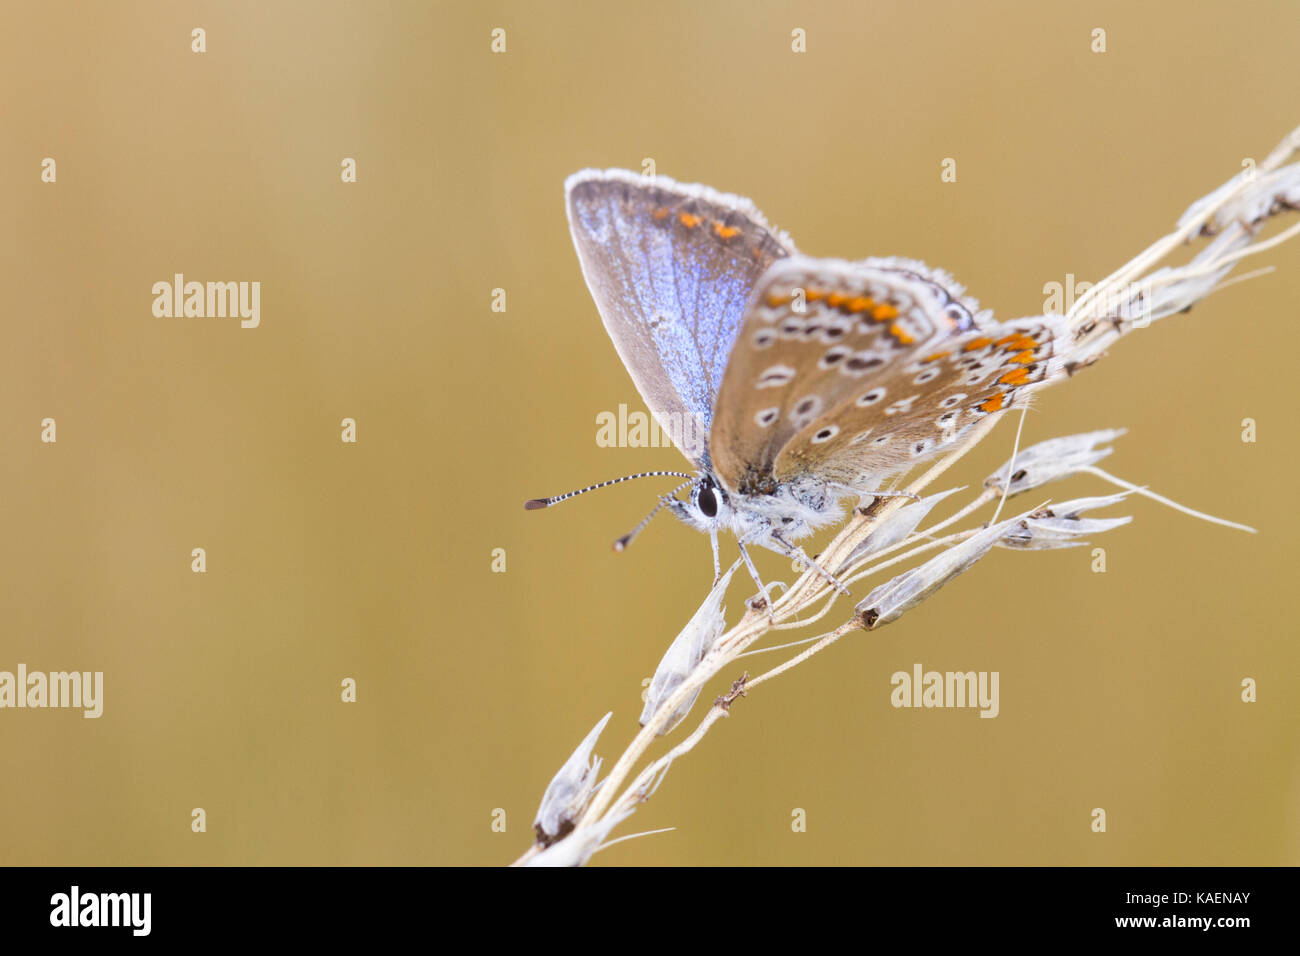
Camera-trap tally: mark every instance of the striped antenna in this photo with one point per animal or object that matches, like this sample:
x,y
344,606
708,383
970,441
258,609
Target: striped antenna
x,y
628,538
533,504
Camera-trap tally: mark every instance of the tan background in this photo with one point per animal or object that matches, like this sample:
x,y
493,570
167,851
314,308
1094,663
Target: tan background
x,y
373,561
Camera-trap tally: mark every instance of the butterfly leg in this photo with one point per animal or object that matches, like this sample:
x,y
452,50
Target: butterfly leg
x,y
717,567
762,588
794,551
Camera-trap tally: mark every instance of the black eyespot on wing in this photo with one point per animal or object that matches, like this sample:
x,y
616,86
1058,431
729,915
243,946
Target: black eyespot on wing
x,y
858,364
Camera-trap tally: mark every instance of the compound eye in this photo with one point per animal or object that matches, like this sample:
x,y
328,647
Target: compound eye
x,y
708,502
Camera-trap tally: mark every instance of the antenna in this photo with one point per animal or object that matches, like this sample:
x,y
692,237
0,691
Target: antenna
x,y
534,504
628,538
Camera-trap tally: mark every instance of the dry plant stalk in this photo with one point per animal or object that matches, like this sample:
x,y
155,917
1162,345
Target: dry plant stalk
x,y
578,814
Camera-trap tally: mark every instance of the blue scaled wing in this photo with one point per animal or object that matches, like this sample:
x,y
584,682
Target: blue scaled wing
x,y
672,268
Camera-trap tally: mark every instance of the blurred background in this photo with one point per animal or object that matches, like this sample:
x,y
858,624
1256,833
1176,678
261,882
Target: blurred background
x,y
374,560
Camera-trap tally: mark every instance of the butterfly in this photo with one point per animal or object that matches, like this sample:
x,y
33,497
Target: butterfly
x,y
790,383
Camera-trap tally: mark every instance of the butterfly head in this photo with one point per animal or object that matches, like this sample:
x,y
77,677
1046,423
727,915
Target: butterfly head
x,y
708,507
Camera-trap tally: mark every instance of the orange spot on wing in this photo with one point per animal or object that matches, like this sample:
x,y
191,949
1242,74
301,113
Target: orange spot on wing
x,y
689,221
1016,343
900,333
860,304
836,299
660,214
934,357
1017,376
976,344
992,404
724,232
884,312
814,295
774,299
1023,358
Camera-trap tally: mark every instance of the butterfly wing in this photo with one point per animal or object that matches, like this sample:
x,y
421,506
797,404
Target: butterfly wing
x,y
928,403
672,268
853,371
960,312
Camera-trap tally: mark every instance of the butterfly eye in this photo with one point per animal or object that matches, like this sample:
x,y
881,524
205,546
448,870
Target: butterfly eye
x,y
707,501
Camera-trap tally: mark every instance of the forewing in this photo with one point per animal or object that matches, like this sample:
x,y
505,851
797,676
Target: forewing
x,y
671,267
818,333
